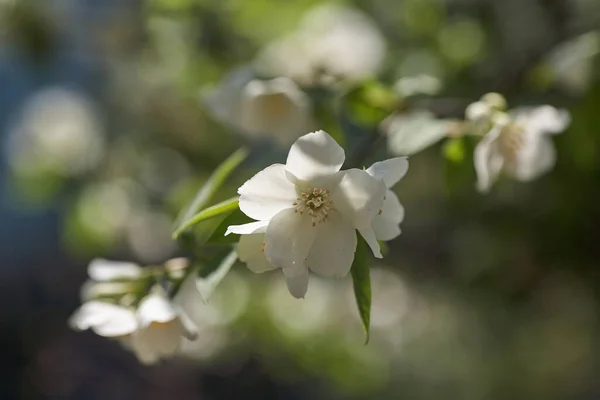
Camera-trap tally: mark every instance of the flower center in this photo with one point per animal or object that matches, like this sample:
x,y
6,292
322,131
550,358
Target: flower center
x,y
315,203
511,142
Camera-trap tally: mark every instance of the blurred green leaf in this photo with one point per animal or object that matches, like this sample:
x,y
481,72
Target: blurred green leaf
x,y
208,190
224,207
412,132
361,280
454,150
369,103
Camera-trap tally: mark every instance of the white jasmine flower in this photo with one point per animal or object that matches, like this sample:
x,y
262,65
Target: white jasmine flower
x,y
102,270
336,41
520,148
386,222
161,326
274,108
409,133
308,211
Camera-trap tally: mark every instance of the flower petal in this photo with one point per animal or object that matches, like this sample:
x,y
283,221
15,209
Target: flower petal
x,y
537,157
289,238
386,224
488,160
545,119
102,270
105,319
315,155
332,252
359,197
296,279
368,234
267,193
250,250
155,308
390,171
246,229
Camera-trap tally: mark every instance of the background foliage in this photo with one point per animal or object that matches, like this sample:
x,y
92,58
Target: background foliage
x,y
481,297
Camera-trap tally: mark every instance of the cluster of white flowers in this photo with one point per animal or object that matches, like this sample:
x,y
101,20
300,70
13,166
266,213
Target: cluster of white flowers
x,y
516,142
307,212
150,324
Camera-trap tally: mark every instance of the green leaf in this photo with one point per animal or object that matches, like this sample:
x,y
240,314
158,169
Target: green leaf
x,y
369,103
207,285
224,207
361,279
237,217
208,190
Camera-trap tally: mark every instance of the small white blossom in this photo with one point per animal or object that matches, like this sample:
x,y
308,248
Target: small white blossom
x,y
308,211
153,326
333,41
161,326
274,108
521,147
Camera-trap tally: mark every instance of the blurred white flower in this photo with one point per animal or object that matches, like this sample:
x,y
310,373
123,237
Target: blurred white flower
x,y
409,133
386,222
333,41
309,210
274,108
418,84
161,326
105,319
58,130
521,148
152,326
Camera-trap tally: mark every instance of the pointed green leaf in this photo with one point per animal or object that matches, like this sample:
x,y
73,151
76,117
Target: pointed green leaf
x,y
208,190
237,217
224,207
361,279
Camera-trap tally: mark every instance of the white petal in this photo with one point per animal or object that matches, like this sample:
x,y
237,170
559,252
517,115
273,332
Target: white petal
x,y
104,319
156,341
296,278
368,234
488,160
332,252
267,193
250,250
246,229
315,155
545,119
289,238
101,270
386,224
390,171
359,197
155,307
537,157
